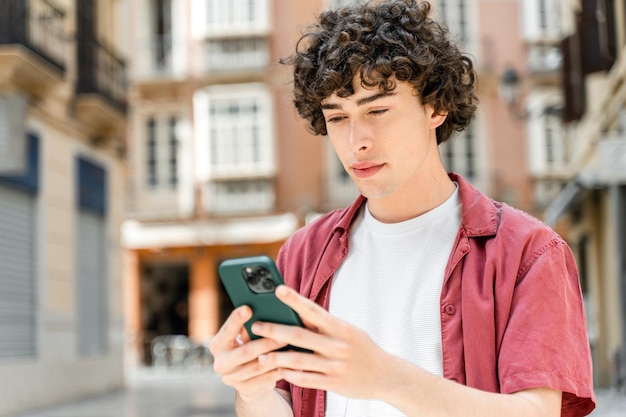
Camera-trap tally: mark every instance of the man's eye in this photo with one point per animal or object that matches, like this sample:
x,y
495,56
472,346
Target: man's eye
x,y
335,119
378,111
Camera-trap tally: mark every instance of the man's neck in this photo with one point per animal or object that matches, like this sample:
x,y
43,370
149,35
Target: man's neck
x,y
413,200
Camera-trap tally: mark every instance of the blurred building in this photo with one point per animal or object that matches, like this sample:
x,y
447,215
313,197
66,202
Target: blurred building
x,y
588,171
220,165
62,130
558,147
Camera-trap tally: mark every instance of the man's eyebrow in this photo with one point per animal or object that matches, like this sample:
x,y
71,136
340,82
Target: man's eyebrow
x,y
360,102
366,100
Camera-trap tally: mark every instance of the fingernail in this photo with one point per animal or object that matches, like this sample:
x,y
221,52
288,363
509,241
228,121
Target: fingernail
x,y
282,290
262,358
239,340
243,311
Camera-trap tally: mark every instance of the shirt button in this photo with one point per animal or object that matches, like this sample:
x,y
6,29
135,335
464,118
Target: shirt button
x,y
449,309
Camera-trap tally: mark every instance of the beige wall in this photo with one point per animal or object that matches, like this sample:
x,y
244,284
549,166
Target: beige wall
x,y
57,373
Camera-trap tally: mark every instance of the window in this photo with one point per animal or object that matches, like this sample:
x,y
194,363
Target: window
x,y
544,58
554,141
543,16
161,151
334,4
160,39
455,15
224,17
459,153
234,128
161,29
545,136
239,133
235,34
541,19
91,258
13,141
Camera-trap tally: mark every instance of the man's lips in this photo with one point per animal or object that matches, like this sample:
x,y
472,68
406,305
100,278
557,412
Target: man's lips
x,y
365,169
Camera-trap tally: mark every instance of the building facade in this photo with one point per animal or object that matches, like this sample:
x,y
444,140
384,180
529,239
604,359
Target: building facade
x,y
588,205
220,166
62,142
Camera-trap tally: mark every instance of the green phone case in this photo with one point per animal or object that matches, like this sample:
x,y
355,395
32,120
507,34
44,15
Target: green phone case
x,y
265,306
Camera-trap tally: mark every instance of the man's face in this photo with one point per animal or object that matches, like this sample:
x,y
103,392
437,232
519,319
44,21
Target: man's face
x,y
385,141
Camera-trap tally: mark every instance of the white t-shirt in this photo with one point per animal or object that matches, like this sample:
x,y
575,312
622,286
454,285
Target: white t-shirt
x,y
390,286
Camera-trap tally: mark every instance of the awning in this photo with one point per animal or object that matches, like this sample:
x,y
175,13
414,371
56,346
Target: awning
x,y
606,167
267,229
563,200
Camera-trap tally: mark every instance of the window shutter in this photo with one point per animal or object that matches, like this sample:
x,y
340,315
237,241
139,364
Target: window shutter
x,y
18,236
572,80
91,284
91,259
589,28
17,273
607,27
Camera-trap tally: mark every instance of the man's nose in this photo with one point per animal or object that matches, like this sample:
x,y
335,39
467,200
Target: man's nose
x,y
360,139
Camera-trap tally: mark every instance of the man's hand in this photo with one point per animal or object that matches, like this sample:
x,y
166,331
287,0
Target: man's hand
x,y
345,359
348,362
236,358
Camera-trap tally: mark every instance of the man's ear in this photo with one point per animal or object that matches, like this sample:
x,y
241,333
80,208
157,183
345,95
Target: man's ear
x,y
437,119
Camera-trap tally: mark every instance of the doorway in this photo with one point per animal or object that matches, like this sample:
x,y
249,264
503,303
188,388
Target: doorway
x,y
164,302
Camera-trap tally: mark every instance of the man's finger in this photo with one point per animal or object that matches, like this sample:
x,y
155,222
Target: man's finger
x,y
231,329
311,313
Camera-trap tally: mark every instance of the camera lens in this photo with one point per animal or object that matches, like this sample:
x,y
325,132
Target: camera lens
x,y
252,279
262,272
268,284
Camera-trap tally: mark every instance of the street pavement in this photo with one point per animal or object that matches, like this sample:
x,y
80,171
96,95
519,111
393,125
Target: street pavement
x,y
154,393
200,393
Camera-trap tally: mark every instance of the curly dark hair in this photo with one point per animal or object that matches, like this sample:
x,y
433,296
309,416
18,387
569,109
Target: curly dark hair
x,y
383,41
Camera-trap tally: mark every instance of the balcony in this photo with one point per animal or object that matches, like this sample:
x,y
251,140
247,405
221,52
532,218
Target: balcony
x,y
148,203
236,54
239,197
33,44
161,59
544,62
101,87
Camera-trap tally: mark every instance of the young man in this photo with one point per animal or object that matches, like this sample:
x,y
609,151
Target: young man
x,y
424,297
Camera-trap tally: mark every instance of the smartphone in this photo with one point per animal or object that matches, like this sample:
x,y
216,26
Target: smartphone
x,y
252,281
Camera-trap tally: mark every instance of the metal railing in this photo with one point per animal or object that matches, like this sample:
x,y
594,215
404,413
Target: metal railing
x,y
102,71
161,202
39,25
249,53
240,196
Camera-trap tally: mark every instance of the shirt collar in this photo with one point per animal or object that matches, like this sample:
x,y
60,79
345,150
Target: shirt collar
x,y
479,213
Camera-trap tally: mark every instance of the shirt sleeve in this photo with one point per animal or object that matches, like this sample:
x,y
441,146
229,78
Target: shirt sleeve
x,y
545,343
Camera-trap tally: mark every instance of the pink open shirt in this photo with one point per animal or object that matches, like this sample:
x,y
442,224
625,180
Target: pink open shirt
x,y
511,308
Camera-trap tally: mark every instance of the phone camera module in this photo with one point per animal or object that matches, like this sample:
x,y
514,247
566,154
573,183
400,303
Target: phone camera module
x,y
259,279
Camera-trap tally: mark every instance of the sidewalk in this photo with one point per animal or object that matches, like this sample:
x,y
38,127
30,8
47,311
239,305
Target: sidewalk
x,y
152,393
201,394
